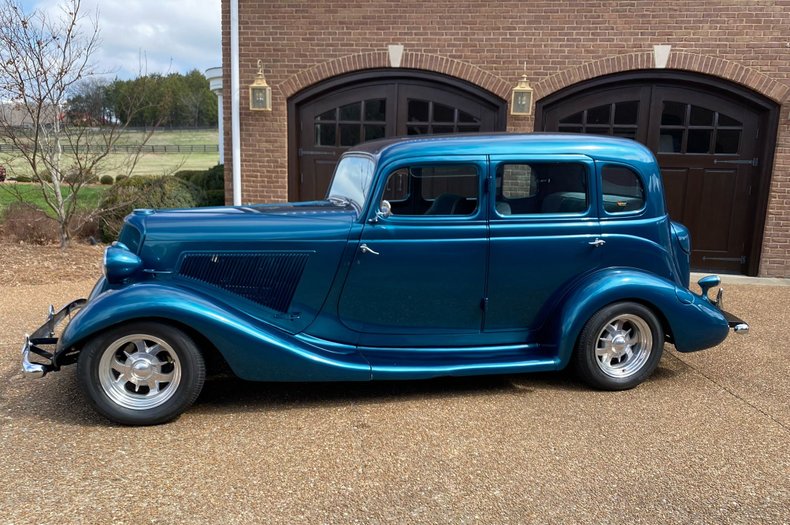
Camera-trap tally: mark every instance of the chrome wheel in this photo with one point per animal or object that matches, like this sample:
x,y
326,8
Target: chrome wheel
x,y
139,371
623,346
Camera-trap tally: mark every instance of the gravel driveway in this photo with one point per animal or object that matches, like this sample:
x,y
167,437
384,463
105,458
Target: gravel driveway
x,y
705,440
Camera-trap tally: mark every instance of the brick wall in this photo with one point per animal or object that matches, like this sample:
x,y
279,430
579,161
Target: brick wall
x,y
488,43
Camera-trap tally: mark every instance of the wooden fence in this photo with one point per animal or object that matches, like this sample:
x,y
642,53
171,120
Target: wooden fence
x,y
132,148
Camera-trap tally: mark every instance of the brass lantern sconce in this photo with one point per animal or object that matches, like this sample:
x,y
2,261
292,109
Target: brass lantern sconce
x,y
521,101
260,92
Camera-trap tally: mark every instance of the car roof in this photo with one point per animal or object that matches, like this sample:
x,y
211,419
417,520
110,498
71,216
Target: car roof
x,y
598,147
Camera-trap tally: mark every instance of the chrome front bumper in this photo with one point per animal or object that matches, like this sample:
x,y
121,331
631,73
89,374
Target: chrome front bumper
x,y
44,360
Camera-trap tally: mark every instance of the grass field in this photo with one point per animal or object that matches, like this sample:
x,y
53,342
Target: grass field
x,y
180,137
149,163
89,196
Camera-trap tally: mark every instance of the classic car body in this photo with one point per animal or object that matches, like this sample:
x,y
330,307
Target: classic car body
x,y
437,256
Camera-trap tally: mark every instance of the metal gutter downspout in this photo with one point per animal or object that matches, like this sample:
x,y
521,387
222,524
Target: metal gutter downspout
x,y
235,127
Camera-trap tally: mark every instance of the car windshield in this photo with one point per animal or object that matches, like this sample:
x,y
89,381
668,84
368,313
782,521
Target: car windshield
x,y
352,180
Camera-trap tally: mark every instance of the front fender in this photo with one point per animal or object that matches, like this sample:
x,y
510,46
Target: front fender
x,y
694,323
253,349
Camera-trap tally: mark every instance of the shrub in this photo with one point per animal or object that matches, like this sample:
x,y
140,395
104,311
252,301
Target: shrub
x,y
214,198
142,192
28,224
189,175
107,180
24,178
208,185
120,178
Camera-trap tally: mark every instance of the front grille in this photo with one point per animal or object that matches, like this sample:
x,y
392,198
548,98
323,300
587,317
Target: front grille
x,y
267,278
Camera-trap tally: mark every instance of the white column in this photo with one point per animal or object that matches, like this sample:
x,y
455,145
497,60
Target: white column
x,y
214,77
235,126
221,130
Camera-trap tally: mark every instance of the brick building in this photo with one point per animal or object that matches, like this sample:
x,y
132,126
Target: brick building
x,y
705,85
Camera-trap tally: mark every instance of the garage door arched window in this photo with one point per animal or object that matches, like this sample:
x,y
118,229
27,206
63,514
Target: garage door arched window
x,y
350,124
429,117
687,128
619,119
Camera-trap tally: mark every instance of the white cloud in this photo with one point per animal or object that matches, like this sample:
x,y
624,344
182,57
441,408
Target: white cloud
x,y
157,36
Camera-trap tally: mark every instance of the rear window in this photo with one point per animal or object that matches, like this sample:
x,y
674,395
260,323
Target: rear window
x,y
622,190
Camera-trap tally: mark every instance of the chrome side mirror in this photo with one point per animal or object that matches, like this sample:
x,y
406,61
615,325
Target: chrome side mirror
x,y
385,209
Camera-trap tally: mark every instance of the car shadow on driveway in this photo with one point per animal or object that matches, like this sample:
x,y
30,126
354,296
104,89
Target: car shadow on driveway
x,y
60,400
232,394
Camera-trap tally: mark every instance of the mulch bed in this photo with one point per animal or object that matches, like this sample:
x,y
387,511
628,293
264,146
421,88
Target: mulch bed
x,y
26,264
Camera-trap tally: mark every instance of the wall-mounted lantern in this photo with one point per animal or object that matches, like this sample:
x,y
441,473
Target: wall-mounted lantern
x,y
521,102
260,92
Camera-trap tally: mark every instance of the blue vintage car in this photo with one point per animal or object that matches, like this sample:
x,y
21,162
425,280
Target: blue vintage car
x,y
440,256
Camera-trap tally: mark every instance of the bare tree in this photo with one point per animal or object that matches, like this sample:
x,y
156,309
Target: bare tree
x,y
44,58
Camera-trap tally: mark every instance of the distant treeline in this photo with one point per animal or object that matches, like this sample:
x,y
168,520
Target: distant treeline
x,y
173,100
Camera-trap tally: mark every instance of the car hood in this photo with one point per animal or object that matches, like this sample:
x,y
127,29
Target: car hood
x,y
168,233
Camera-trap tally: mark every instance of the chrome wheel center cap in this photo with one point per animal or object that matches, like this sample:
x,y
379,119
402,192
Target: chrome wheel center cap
x,y
142,368
619,343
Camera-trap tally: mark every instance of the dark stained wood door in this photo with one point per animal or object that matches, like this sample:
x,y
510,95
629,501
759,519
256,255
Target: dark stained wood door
x,y
706,147
334,121
706,144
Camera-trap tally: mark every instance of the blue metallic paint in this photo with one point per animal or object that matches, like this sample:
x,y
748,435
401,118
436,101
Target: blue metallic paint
x,y
357,316
693,326
251,348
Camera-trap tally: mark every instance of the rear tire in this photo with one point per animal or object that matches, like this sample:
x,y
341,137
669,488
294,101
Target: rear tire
x,y
141,373
619,347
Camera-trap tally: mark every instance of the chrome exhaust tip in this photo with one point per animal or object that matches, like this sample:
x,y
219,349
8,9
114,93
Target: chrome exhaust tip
x,y
741,328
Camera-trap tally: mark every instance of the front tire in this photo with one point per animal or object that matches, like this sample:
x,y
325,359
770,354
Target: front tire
x,y
619,347
141,373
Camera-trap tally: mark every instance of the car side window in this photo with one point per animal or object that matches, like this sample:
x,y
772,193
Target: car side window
x,y
451,189
541,188
622,190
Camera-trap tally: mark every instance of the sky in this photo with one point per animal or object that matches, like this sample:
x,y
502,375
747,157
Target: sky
x,y
152,36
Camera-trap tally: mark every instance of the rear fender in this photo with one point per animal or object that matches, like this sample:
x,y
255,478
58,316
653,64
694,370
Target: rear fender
x,y
253,349
693,322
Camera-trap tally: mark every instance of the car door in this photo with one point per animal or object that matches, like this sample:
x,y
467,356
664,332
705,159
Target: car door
x,y
545,234
420,271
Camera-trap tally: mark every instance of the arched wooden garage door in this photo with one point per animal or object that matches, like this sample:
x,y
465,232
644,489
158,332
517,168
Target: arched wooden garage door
x,y
327,119
713,140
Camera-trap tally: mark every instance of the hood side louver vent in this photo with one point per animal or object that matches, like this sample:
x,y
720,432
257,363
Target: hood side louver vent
x,y
267,278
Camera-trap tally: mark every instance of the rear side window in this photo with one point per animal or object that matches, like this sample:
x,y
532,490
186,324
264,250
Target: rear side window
x,y
541,188
622,190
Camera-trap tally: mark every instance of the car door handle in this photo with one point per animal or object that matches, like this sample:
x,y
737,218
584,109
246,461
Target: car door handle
x,y
366,249
597,243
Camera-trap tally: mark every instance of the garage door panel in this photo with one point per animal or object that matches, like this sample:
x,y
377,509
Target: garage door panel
x,y
714,211
675,191
317,177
